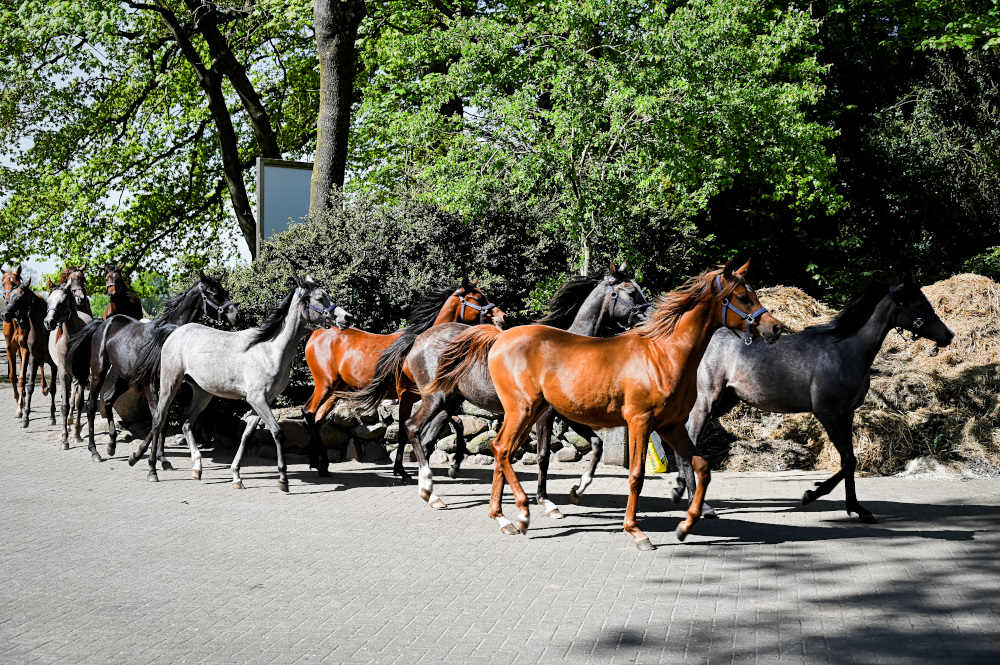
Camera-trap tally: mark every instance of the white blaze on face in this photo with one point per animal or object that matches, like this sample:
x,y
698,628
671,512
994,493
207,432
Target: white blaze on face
x,y
341,317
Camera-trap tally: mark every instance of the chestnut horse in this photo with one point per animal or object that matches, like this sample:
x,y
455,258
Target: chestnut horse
x,y
342,360
643,379
122,300
16,339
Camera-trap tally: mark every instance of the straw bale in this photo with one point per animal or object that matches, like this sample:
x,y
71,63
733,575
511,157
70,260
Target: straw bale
x,y
923,401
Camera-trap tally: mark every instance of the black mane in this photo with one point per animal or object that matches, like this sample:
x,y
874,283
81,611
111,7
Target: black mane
x,y
172,306
854,316
568,299
425,312
273,323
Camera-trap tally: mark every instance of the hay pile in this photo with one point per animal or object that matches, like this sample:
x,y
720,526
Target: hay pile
x,y
924,401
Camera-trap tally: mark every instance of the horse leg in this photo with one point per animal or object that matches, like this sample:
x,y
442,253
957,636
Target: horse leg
x,y
461,449
67,393
252,423
839,428
199,401
597,452
78,406
12,357
679,440
543,434
638,432
32,370
406,401
706,402
263,409
515,429
422,433
161,444
52,394
115,387
45,388
170,383
315,411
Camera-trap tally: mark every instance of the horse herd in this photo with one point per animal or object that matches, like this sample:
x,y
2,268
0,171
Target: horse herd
x,y
603,357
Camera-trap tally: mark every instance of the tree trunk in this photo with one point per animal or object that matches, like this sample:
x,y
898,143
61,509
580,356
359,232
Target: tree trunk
x,y
336,26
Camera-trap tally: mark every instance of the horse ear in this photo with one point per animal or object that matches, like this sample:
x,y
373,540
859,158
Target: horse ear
x,y
624,268
727,270
465,283
49,283
27,283
201,275
742,272
612,269
309,280
18,271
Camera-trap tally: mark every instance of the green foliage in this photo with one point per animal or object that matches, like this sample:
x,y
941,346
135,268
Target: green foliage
x,y
987,263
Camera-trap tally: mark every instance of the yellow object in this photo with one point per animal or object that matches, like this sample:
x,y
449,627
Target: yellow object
x,y
656,456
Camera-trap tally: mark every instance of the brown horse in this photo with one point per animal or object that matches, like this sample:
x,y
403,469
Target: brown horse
x,y
643,379
122,300
16,339
28,309
342,360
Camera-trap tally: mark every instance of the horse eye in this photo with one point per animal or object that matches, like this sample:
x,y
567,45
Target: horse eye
x,y
744,300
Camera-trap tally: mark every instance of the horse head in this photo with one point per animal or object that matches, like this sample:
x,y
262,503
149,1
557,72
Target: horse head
x,y
740,308
59,305
915,313
626,304
18,301
216,300
114,280
317,308
474,307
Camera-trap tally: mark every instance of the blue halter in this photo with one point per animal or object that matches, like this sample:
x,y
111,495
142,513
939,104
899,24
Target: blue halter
x,y
325,313
750,319
483,310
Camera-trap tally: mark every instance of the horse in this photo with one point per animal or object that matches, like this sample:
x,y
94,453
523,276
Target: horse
x,y
62,320
27,309
593,305
824,370
74,276
122,300
16,339
108,351
342,360
644,379
253,365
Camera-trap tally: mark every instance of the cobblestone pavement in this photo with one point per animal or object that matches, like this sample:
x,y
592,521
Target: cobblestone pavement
x,y
99,566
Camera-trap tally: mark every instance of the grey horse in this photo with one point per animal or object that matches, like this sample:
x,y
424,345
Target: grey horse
x,y
63,320
253,365
592,306
824,370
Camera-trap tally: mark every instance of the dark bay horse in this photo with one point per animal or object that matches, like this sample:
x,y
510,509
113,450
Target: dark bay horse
x,y
254,365
824,370
27,309
342,360
75,277
107,353
592,305
643,379
122,300
62,320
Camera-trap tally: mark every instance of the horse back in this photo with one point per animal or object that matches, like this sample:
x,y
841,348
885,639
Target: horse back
x,y
348,356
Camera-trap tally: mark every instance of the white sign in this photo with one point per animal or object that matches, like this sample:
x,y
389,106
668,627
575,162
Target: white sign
x,y
282,195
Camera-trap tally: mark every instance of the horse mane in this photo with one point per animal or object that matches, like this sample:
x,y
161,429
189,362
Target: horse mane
x,y
171,305
274,322
668,308
567,301
854,315
425,312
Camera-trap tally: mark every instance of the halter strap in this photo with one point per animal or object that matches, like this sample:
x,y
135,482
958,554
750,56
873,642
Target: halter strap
x,y
917,321
207,302
325,313
633,309
483,310
750,319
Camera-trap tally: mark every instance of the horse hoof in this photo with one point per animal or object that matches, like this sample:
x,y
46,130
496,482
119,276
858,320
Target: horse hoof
x,y
283,485
167,466
867,518
708,512
239,486
522,521
132,459
808,497
152,477
65,445
643,545
323,473
681,532
111,450
77,440
676,495
52,421
438,504
554,514
24,424
196,474
573,496
453,472
96,457
509,530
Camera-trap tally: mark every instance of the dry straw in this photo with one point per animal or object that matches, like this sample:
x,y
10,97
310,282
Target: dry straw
x,y
924,401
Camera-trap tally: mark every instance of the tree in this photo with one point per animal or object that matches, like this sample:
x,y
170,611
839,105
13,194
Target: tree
x,y
606,108
127,123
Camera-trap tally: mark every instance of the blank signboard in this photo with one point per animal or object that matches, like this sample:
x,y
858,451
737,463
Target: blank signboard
x,y
282,194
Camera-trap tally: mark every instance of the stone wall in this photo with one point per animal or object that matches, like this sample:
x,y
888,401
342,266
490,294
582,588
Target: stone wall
x,y
375,435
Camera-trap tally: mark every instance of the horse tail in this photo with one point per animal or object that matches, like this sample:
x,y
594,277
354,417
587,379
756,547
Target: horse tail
x,y
387,372
79,351
147,364
469,351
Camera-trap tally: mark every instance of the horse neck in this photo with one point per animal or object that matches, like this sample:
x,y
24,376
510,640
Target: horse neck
x,y
868,339
687,344
590,317
450,311
188,310
293,328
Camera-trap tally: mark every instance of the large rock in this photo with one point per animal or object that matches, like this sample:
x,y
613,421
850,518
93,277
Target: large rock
x,y
439,458
344,418
131,407
615,446
568,454
369,431
392,432
333,436
448,444
530,459
370,417
558,428
296,434
470,409
479,460
375,452
575,440
388,412
480,444
473,425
